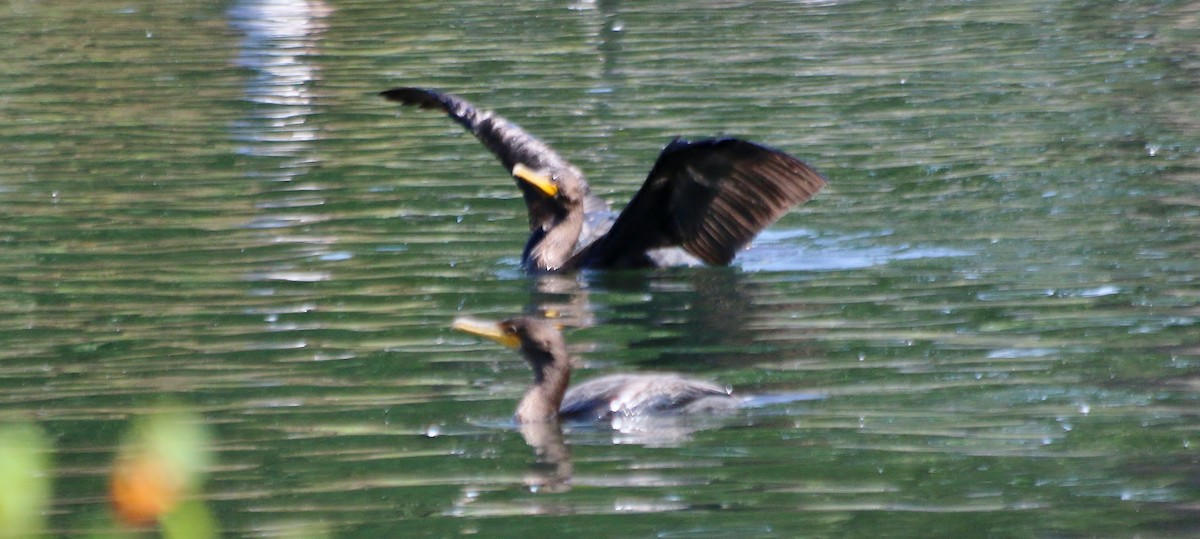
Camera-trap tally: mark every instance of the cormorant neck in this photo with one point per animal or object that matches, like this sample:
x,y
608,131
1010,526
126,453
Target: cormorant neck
x,y
544,398
551,246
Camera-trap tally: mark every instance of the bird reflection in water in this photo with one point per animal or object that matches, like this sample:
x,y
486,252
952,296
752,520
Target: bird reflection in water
x,y
563,297
554,469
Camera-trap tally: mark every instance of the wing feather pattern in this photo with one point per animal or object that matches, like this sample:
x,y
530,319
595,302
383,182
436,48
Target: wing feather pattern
x,y
506,140
710,198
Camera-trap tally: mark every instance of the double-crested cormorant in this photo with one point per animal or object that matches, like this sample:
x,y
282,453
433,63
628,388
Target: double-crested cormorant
x,y
702,202
615,395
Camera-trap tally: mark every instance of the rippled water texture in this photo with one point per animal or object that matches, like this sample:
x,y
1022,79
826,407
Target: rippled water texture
x,y
985,326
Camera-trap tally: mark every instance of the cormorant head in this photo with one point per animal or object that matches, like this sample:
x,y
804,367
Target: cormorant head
x,y
561,188
554,197
539,341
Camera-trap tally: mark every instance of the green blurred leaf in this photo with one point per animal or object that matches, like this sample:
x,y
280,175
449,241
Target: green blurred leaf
x,y
189,520
24,480
181,439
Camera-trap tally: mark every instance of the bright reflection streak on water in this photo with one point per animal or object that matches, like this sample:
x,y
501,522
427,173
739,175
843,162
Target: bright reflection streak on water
x,y
280,39
773,251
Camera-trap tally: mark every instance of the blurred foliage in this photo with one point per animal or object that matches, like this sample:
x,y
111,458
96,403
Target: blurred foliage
x,y
24,480
155,482
158,469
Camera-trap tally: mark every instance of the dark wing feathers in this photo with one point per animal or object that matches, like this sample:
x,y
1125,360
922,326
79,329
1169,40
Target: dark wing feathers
x,y
710,197
457,108
506,140
746,193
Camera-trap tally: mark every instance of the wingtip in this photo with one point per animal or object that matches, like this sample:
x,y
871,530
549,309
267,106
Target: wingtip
x,y
677,142
420,97
801,167
394,94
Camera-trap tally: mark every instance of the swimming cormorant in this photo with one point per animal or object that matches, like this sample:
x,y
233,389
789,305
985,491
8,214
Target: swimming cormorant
x,y
629,395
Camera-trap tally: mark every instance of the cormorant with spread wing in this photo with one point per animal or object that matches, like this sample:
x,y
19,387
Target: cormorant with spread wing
x,y
702,202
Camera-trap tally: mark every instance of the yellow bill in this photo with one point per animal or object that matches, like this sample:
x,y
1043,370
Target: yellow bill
x,y
487,329
542,181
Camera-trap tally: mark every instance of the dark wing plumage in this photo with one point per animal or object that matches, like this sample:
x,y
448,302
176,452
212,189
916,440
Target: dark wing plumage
x,y
506,140
710,198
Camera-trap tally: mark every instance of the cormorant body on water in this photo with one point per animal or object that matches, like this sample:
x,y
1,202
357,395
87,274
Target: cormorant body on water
x,y
628,395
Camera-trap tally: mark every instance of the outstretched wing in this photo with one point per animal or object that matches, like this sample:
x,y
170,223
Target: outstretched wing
x,y
506,140
710,198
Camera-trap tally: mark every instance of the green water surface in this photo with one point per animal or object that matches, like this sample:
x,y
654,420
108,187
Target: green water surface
x,y
985,326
